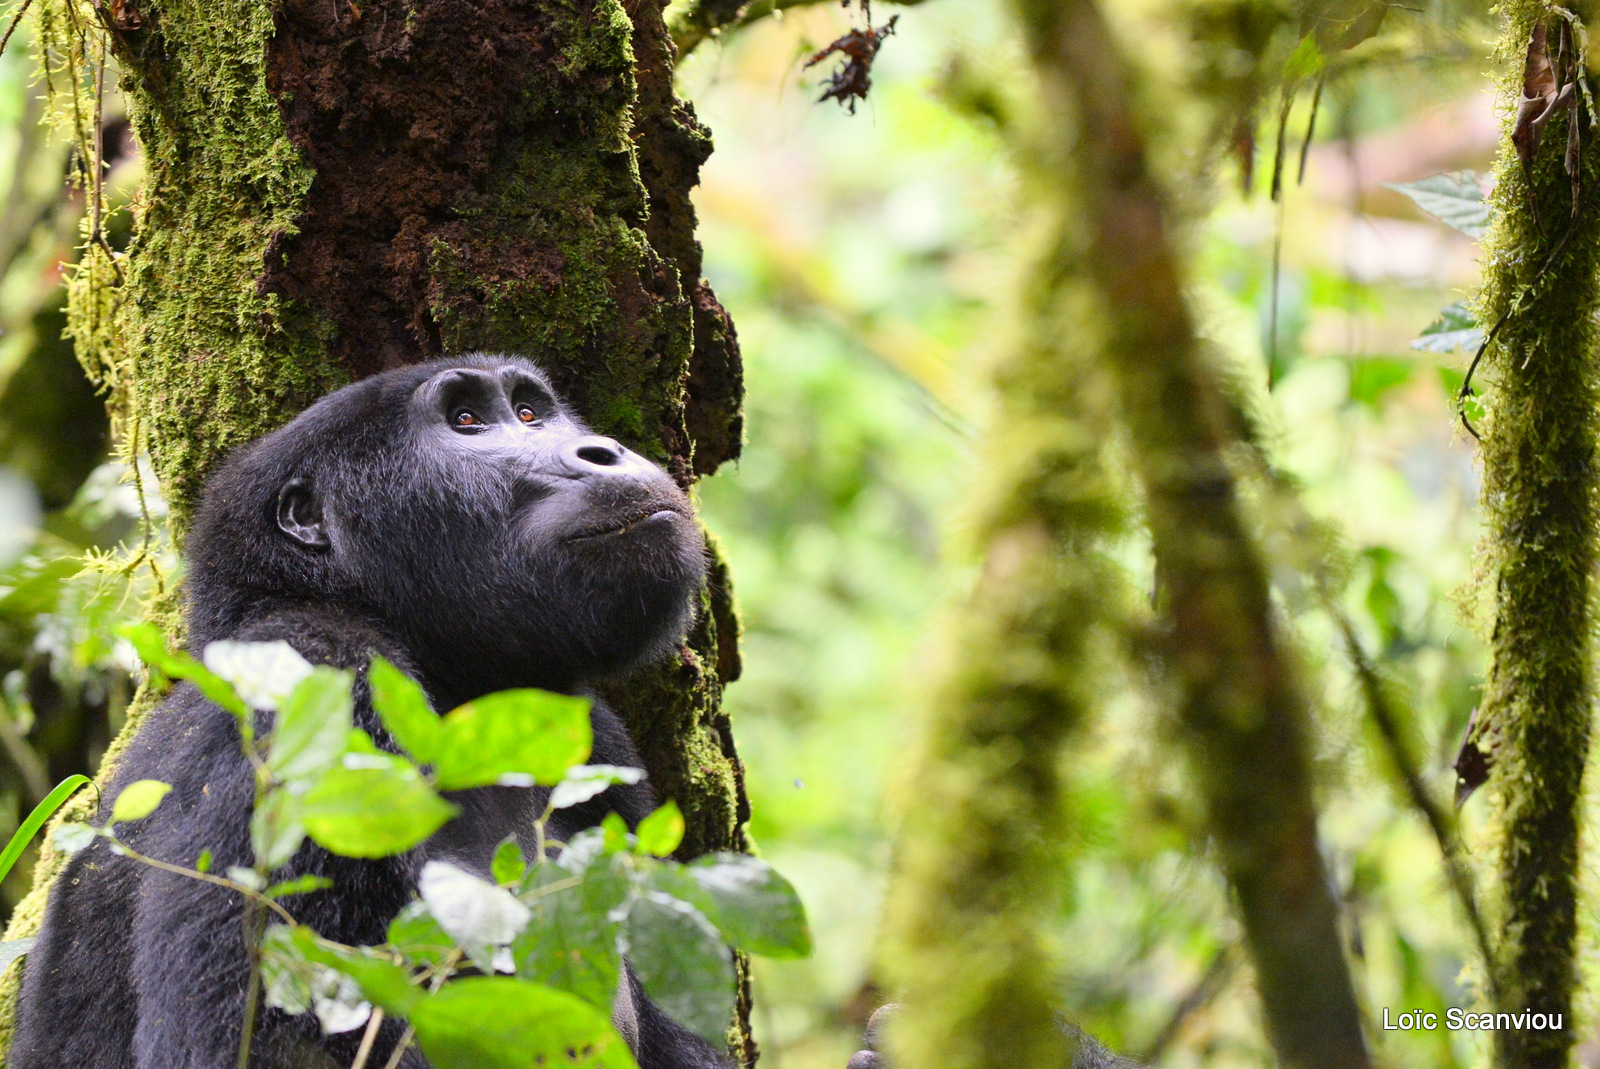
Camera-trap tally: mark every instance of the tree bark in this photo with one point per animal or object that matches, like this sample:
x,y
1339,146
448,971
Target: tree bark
x,y
336,187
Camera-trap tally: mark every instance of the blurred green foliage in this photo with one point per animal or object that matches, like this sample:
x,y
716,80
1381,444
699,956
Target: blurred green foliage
x,y
868,262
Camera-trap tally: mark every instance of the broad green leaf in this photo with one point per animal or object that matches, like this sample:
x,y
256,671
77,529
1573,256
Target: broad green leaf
x,y
381,980
417,936
12,949
1454,198
372,812
517,737
70,838
296,982
509,865
42,812
584,782
151,646
1454,329
312,728
753,907
495,1022
139,799
285,973
262,673
300,885
405,711
475,913
276,831
615,832
660,833
571,941
682,963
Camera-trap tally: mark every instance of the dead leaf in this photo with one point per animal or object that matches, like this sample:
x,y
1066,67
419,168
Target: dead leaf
x,y
1539,95
853,79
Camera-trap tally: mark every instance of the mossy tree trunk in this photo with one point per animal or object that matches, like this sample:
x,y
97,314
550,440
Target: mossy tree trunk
x,y
1110,332
336,188
1542,290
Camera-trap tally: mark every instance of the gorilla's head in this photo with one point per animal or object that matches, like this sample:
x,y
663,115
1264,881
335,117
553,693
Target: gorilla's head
x,y
461,507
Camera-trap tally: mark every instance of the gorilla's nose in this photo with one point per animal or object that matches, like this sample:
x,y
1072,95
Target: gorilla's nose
x,y
592,454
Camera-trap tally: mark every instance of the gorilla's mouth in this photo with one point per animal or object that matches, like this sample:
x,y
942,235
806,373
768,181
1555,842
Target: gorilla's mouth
x,y
619,525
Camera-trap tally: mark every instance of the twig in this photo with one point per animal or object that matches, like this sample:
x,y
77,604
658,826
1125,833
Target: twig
x,y
16,20
1210,983
368,1039
251,893
1439,821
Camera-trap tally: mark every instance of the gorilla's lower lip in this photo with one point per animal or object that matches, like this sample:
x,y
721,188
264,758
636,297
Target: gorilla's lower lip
x,y
623,527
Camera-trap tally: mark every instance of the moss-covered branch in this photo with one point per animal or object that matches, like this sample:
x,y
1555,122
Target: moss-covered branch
x,y
1240,708
1541,258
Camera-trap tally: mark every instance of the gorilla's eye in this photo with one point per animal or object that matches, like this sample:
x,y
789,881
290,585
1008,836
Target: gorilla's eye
x,y
527,415
465,418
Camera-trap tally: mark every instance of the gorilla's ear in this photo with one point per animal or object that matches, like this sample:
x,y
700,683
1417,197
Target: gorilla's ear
x,y
300,515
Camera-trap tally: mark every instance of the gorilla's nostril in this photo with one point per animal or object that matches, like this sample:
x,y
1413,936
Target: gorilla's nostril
x,y
602,455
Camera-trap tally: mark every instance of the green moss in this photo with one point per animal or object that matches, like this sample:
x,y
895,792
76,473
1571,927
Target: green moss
x,y
1539,549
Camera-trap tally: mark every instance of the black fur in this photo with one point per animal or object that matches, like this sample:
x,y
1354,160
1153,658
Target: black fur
x,y
476,558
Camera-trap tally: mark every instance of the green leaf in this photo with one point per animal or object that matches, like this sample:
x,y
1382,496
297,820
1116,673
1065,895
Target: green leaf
x,y
754,908
584,782
300,885
262,673
381,980
509,866
415,935
312,728
12,949
1305,61
139,799
1454,329
571,941
42,812
70,838
614,833
475,913
682,963
494,1022
660,833
285,973
151,646
514,737
405,711
372,811
276,831
1454,198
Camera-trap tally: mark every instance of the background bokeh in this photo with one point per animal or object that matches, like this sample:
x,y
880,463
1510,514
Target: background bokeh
x,y
868,260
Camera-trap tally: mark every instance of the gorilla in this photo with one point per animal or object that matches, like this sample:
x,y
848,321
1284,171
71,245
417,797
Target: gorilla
x,y
456,518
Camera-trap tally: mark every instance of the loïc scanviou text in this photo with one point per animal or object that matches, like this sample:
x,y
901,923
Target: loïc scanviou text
x,y
1459,1020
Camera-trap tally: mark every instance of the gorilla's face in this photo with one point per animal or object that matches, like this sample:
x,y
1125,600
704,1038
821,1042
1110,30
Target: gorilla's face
x,y
507,544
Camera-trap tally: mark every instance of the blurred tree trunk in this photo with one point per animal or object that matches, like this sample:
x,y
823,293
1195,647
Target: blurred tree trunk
x,y
975,864
1540,298
337,187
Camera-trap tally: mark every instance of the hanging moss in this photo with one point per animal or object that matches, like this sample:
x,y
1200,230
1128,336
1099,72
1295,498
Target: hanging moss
x,y
1538,552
